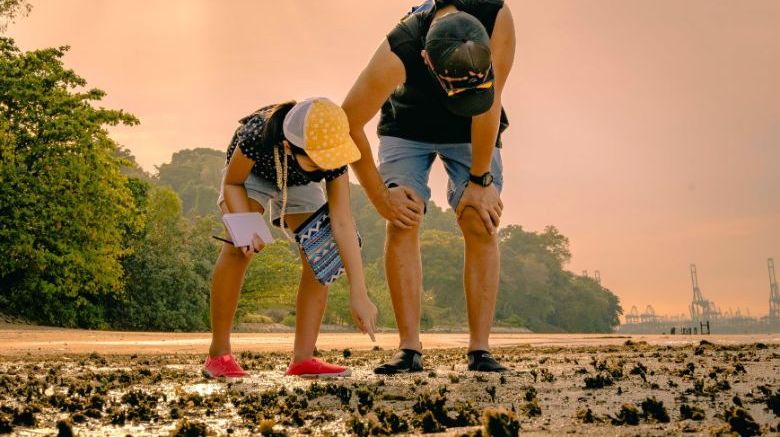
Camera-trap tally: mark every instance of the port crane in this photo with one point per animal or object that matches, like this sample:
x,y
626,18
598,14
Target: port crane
x,y
774,294
649,315
633,316
701,308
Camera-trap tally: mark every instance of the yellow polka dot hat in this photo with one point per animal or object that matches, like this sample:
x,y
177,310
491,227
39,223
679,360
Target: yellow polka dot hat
x,y
320,127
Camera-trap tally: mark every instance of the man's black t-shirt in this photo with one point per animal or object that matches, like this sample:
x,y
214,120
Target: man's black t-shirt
x,y
414,111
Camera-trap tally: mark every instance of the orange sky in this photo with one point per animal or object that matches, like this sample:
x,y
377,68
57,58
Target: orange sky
x,y
647,131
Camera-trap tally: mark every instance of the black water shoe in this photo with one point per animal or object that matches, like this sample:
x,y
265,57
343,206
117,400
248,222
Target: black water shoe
x,y
405,361
483,361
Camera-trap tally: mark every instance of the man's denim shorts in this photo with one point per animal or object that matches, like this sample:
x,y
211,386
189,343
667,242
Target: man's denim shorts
x,y
300,198
408,162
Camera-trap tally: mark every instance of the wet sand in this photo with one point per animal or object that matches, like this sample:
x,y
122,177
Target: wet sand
x,y
108,383
43,341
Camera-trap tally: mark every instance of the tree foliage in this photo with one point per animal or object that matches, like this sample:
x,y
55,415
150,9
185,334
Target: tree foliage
x,y
271,279
536,292
12,9
442,258
167,270
64,206
195,174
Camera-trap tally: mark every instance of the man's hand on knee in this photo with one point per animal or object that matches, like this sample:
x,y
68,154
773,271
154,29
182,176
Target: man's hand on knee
x,y
486,203
405,207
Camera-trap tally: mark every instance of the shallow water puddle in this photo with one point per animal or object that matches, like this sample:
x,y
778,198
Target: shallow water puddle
x,y
204,389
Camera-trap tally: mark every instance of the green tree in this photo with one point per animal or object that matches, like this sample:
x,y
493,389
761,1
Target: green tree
x,y
442,261
202,248
369,223
525,297
195,175
167,287
130,167
271,279
339,312
536,291
10,10
64,206
585,306
438,219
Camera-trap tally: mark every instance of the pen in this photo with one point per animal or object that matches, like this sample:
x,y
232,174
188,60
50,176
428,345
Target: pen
x,y
227,241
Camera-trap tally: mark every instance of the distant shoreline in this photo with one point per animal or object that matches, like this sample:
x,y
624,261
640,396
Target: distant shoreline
x,y
38,340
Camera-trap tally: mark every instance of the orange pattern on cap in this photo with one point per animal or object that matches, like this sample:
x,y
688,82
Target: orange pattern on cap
x,y
328,142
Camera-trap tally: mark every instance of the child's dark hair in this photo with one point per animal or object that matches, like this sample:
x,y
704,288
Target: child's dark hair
x,y
297,150
272,131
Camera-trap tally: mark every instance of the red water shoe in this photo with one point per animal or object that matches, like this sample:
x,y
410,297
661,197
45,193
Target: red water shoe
x,y
314,368
223,366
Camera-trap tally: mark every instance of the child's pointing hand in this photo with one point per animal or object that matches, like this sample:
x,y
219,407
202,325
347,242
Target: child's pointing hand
x,y
364,313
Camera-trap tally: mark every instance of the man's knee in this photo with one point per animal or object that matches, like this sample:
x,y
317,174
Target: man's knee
x,y
473,227
401,234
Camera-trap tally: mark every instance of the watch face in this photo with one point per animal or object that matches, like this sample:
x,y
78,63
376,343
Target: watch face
x,y
484,180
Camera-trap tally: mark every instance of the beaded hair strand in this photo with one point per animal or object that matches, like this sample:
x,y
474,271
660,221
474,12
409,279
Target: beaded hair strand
x,y
281,184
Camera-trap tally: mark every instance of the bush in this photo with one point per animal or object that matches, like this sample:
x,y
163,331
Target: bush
x,y
275,314
257,318
289,320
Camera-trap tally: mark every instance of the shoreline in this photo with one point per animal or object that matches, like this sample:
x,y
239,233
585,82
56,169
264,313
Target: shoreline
x,y
41,341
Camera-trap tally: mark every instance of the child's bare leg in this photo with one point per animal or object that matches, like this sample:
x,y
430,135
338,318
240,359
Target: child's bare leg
x,y
310,304
309,309
226,284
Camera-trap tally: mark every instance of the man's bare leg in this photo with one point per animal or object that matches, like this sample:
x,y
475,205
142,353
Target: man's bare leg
x,y
403,268
480,278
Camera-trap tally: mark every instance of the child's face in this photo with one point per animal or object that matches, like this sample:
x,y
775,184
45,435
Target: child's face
x,y
304,161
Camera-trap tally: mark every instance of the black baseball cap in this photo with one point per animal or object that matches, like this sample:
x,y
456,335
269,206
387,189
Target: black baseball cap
x,y
459,49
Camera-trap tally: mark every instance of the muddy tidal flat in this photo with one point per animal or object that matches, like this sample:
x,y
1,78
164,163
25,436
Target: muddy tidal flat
x,y
616,386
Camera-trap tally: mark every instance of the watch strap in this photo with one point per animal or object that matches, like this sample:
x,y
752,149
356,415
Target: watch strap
x,y
485,180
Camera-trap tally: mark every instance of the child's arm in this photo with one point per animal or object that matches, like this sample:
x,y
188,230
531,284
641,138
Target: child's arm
x,y
234,192
363,310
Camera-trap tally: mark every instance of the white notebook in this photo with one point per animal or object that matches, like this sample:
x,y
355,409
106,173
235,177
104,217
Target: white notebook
x,y
242,225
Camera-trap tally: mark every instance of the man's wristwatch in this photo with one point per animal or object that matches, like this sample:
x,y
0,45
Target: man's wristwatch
x,y
484,181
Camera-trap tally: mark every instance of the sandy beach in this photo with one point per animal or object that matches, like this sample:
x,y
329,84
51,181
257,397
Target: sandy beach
x,y
119,383
38,340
